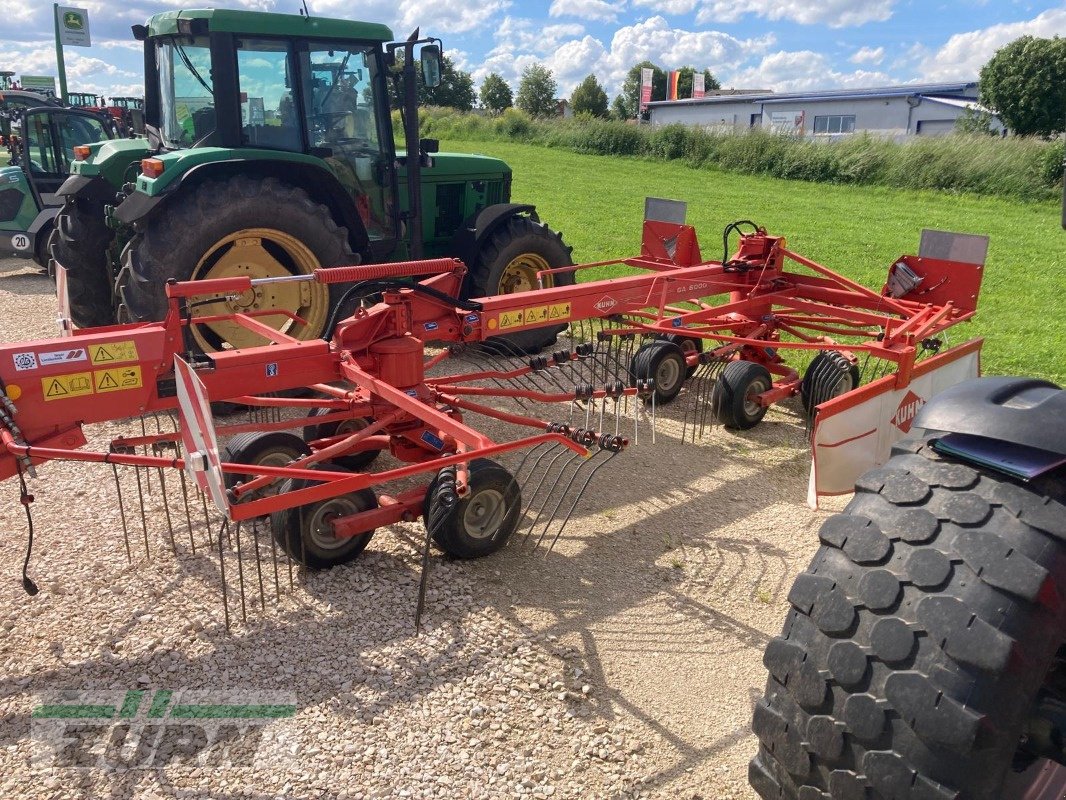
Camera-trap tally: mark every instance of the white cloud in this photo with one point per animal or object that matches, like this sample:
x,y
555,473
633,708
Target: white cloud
x,y
962,57
801,70
834,13
599,10
669,6
868,55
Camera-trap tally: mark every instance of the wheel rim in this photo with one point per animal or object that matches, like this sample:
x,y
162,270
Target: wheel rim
x,y
667,375
520,274
318,528
274,458
260,253
752,407
484,513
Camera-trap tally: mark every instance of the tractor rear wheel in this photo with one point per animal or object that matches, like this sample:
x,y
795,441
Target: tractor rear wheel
x,y
509,262
255,227
922,655
81,242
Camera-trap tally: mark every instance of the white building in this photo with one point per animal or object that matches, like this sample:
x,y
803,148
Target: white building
x,y
893,111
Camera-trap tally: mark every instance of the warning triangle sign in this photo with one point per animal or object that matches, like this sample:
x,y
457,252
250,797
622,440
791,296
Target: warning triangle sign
x,y
56,390
107,382
102,355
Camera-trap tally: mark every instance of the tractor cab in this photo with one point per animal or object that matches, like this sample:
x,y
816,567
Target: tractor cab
x,y
40,157
86,100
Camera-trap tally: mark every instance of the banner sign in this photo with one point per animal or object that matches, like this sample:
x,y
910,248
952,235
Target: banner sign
x,y
671,91
73,26
645,86
698,89
44,84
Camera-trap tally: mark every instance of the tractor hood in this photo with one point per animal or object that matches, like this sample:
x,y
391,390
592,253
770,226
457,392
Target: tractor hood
x,y
112,159
459,166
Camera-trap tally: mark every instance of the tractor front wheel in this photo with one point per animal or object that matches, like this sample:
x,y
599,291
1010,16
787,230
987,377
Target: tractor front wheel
x,y
509,263
81,243
243,227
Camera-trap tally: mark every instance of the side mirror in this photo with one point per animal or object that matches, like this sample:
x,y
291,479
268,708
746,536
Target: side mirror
x,y
429,145
431,65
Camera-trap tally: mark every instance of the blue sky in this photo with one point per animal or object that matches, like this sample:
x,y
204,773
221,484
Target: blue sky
x,y
784,45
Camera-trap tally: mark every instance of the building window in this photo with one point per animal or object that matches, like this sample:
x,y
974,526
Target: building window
x,y
835,123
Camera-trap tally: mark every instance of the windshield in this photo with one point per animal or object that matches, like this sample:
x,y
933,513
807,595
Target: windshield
x,y
186,102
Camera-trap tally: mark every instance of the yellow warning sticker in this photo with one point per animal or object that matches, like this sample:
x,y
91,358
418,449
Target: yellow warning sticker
x,y
511,319
62,387
536,315
559,311
117,379
113,352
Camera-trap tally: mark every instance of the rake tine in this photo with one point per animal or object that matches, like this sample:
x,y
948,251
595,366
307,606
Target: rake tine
x,y
185,502
240,570
166,510
525,457
258,564
122,513
564,484
144,451
144,520
551,490
222,570
446,499
207,521
580,494
543,479
288,562
274,556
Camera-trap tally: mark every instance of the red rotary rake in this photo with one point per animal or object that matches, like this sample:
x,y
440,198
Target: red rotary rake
x,y
374,387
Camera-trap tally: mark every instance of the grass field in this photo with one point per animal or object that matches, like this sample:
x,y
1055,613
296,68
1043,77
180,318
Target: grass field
x,y
598,204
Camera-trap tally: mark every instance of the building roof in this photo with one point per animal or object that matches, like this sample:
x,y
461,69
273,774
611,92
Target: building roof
x,y
924,89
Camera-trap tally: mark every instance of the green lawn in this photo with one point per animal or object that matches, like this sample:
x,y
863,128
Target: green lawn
x,y
598,203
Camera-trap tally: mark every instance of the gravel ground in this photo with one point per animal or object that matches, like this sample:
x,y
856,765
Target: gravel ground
x,y
622,664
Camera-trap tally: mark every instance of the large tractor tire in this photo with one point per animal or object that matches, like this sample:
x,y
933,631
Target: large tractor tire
x,y
919,639
509,262
259,227
81,242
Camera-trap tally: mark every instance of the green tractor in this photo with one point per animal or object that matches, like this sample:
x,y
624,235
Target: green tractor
x,y
270,152
40,137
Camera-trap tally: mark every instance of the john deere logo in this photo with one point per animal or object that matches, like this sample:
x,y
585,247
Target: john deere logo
x,y
74,21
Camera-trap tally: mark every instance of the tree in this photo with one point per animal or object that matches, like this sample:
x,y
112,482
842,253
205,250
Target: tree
x,y
684,81
589,98
631,87
618,108
536,91
975,122
496,95
1025,84
456,88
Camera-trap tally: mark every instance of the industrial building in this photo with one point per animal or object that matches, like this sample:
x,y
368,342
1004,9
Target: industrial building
x,y
892,111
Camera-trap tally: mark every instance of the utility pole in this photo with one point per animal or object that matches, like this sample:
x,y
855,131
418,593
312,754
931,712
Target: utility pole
x,y
59,55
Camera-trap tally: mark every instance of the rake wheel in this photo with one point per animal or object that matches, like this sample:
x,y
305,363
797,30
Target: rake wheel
x,y
663,362
304,532
688,345
829,375
356,462
734,395
274,449
484,519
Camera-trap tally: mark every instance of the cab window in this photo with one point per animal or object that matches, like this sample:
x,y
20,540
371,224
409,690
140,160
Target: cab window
x,y
268,116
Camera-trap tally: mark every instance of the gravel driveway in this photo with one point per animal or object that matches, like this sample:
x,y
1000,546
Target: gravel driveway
x,y
622,664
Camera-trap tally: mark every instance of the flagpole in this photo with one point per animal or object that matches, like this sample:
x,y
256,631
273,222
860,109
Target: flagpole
x,y
59,55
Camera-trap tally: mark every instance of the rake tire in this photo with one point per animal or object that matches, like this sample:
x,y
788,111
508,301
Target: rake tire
x,y
300,531
172,243
688,344
82,244
275,448
518,237
731,392
918,637
830,374
356,462
663,362
483,520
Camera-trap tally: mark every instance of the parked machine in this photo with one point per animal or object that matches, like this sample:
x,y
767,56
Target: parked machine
x,y
270,153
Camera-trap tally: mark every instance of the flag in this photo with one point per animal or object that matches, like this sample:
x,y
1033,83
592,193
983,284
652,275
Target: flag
x,y
646,74
671,90
697,86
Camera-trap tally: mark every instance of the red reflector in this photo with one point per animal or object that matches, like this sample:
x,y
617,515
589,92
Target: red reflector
x,y
152,167
81,152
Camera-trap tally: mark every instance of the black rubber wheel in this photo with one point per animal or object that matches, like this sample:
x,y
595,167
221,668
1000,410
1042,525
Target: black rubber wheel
x,y
483,521
662,362
43,247
918,638
732,396
509,261
357,462
82,245
260,227
274,449
829,375
688,345
304,532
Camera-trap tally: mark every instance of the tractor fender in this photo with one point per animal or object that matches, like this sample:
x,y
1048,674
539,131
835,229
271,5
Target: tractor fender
x,y
1021,411
92,187
321,184
479,227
